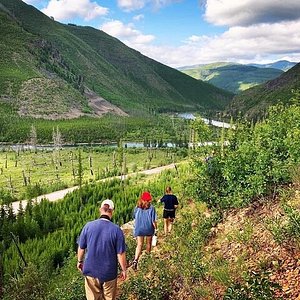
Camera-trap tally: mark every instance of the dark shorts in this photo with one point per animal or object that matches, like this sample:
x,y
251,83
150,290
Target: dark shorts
x,y
169,214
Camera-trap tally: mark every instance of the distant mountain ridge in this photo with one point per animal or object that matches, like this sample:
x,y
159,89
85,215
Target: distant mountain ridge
x,y
50,70
232,77
253,103
283,65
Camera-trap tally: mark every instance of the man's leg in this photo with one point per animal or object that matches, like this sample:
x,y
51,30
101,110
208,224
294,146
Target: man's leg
x,y
93,289
110,289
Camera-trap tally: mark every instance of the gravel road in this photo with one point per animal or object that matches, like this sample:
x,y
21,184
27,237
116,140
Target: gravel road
x,y
61,194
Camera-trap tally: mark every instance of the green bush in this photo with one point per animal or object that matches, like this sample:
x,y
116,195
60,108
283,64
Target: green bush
x,y
257,161
256,287
293,226
31,285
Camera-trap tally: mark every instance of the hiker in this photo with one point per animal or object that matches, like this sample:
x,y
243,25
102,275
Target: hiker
x,y
101,245
170,204
145,225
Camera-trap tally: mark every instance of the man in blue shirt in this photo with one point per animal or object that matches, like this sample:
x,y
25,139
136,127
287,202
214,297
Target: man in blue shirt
x,y
101,246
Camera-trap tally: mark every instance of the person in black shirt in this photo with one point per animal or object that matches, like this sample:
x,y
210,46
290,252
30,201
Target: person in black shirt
x,y
170,204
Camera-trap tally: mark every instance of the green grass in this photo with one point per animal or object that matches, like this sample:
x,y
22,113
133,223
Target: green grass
x,y
51,170
246,86
15,61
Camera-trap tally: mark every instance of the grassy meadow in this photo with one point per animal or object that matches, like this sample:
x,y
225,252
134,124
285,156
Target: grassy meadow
x,y
25,174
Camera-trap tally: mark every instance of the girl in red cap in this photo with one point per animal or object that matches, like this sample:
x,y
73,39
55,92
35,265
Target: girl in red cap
x,y
145,224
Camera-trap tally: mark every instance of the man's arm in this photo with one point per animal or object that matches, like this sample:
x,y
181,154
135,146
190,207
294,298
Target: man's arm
x,y
80,258
123,264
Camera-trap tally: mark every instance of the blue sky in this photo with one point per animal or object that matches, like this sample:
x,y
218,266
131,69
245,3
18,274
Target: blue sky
x,y
189,32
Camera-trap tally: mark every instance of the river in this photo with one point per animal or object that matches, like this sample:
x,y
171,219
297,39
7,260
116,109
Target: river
x,y
191,116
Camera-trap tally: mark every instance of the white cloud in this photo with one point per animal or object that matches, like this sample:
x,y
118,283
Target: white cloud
x,y
246,12
138,17
197,39
161,3
259,43
260,40
194,38
63,10
258,32
131,5
127,33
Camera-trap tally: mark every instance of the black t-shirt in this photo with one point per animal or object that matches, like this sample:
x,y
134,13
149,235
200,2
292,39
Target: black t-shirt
x,y
169,201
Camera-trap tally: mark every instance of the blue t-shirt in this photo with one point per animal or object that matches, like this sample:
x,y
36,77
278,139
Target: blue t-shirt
x,y
169,200
103,240
143,221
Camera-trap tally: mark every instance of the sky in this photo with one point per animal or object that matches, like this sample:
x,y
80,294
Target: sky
x,y
190,32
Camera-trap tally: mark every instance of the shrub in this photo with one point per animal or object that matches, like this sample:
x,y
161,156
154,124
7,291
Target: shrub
x,y
257,161
31,285
257,286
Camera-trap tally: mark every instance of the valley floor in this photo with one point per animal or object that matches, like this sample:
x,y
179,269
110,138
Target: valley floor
x,y
57,195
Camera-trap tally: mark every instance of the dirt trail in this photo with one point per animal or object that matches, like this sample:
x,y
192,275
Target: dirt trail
x,y
62,193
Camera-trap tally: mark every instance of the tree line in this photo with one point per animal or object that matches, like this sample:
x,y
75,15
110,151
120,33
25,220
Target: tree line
x,y
148,129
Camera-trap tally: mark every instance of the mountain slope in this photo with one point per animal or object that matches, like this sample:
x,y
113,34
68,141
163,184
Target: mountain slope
x,y
230,76
283,65
82,59
254,102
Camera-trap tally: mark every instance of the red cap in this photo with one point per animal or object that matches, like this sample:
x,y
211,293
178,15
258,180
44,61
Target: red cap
x,y
146,196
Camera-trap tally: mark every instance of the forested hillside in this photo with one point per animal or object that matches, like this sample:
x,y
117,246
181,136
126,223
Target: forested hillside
x,y
254,102
232,77
45,62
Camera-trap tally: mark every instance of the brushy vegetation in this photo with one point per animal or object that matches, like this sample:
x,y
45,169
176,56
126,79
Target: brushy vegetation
x,y
257,161
257,286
